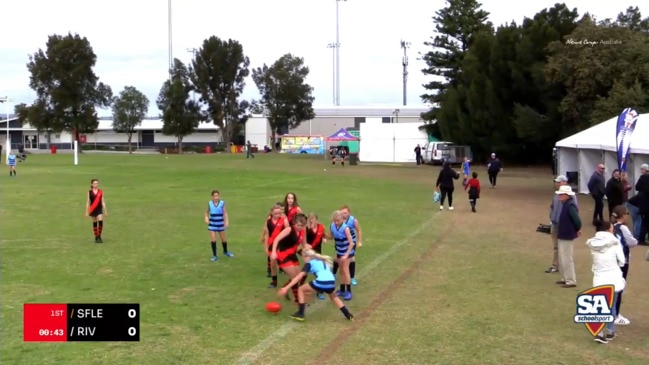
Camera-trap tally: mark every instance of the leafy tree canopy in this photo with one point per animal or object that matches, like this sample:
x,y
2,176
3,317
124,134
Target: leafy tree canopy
x,y
180,114
218,73
68,91
129,109
286,98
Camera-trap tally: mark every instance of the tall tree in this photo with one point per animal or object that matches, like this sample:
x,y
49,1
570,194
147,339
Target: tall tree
x,y
67,89
129,109
632,19
218,73
590,72
455,26
181,115
285,95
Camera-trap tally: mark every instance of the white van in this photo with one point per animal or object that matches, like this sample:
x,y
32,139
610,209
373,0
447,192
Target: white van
x,y
433,152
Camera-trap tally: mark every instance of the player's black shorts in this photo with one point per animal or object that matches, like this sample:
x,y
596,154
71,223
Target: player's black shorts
x,y
97,212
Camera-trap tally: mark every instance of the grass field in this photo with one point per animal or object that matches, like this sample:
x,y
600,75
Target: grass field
x,y
434,287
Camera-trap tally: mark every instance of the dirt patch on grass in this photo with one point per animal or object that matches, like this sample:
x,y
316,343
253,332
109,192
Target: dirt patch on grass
x,y
179,296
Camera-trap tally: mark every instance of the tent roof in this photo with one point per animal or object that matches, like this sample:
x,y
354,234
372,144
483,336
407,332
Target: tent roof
x,y
342,135
602,137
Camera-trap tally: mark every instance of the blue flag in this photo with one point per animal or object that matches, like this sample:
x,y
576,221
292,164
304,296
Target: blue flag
x,y
624,131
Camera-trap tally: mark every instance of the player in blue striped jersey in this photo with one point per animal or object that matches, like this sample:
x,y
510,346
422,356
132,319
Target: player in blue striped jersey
x,y
357,235
216,218
11,162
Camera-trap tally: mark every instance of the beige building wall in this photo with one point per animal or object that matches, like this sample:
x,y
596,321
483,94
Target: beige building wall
x,y
324,126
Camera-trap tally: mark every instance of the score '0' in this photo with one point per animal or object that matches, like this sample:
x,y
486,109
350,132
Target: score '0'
x,y
132,331
132,313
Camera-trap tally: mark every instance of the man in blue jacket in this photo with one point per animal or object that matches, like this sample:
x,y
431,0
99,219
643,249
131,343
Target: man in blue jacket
x,y
568,229
555,212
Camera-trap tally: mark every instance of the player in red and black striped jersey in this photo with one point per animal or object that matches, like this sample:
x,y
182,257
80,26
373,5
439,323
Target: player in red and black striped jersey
x,y
315,232
96,209
275,223
285,247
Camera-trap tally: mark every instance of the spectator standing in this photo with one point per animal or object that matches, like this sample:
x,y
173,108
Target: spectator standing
x,y
597,189
555,213
568,229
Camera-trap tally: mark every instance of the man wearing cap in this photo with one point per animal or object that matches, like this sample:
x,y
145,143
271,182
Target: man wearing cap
x,y
597,189
568,229
555,212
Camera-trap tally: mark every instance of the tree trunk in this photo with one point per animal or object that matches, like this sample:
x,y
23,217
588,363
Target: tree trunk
x,y
272,137
180,144
130,136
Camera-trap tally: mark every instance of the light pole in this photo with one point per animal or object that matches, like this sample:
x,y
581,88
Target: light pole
x,y
171,59
337,50
404,62
334,46
5,100
193,51
394,136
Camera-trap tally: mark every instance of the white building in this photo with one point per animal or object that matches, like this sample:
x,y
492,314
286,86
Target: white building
x,y
329,120
149,134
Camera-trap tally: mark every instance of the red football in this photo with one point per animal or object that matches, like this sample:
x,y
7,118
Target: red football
x,y
273,307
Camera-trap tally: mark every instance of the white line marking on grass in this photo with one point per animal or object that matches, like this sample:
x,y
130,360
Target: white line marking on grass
x,y
252,355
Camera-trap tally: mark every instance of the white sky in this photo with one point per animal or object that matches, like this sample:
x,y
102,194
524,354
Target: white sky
x,y
130,38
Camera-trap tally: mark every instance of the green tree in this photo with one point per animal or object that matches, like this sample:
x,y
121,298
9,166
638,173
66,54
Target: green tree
x,y
455,26
632,19
285,96
593,72
218,73
67,89
129,109
534,110
180,114
38,111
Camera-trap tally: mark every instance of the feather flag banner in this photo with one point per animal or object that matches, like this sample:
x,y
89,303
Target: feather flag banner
x,y
624,131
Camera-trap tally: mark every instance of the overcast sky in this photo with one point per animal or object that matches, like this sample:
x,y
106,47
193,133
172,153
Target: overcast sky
x,y
130,38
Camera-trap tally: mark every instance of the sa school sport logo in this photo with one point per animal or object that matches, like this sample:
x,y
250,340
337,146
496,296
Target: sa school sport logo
x,y
594,308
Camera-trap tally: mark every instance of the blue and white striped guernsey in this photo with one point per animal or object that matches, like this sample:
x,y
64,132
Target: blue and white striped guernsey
x,y
217,216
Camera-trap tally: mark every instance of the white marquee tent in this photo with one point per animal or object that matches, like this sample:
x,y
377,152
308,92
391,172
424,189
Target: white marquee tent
x,y
579,154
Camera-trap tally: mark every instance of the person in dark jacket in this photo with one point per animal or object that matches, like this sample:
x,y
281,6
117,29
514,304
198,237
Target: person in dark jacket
x,y
642,202
445,185
568,229
494,167
614,191
597,189
418,157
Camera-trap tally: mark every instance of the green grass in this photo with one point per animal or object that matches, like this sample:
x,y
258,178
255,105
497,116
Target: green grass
x,y
460,288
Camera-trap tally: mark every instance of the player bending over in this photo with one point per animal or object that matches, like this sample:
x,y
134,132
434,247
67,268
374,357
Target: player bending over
x,y
325,282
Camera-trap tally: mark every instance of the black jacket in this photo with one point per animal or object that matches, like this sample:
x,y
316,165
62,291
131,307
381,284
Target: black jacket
x,y
446,177
614,192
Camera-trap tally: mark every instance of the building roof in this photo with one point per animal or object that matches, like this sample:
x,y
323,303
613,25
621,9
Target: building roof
x,y
602,137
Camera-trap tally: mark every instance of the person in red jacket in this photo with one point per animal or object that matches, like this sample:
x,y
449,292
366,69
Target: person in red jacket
x,y
473,186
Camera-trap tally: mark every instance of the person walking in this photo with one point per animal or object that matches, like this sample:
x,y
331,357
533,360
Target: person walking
x,y
249,150
555,213
446,186
494,167
597,189
568,229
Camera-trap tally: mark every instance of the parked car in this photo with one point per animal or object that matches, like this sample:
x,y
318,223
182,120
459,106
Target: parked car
x,y
435,153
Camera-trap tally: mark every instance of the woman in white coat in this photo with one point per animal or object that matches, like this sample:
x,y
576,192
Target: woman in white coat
x,y
608,258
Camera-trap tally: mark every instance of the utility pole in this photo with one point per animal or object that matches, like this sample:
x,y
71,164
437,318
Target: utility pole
x,y
404,62
334,47
337,50
170,45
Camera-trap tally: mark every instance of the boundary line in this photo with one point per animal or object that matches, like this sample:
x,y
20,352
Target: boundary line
x,y
252,355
